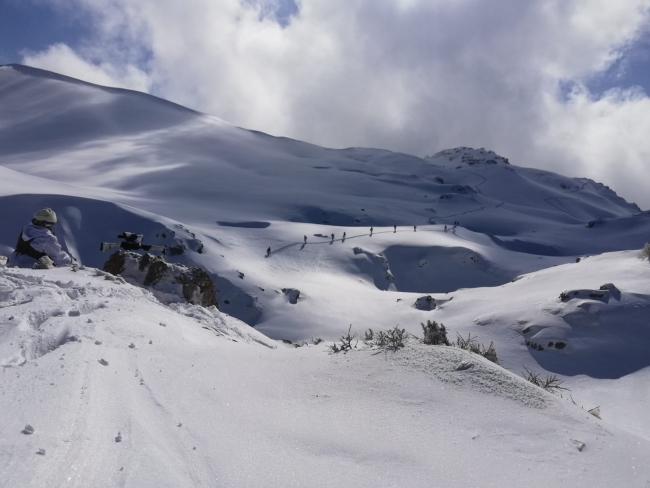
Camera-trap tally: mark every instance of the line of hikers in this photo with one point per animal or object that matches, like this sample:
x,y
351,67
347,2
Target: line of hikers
x,y
38,246
415,228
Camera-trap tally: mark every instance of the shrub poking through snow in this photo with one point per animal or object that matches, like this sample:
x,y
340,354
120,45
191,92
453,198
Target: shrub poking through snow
x,y
645,252
551,383
316,341
369,337
435,334
346,342
389,339
472,345
392,338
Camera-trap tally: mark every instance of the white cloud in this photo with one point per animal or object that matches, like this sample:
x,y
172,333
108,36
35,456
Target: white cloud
x,y
409,75
607,138
60,58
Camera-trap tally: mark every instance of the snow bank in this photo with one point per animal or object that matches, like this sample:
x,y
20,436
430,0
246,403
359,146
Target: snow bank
x,y
102,385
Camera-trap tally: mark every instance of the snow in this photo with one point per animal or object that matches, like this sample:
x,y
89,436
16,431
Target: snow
x,y
192,407
198,397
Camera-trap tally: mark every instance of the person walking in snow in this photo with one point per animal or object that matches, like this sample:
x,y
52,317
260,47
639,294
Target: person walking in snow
x,y
445,227
394,229
268,252
305,239
344,236
370,231
332,236
36,241
415,228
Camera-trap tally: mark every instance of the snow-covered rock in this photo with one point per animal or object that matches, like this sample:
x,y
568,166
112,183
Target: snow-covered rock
x,y
426,302
292,295
169,282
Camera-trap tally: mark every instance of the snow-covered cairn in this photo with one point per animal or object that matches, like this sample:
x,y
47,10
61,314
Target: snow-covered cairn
x,y
167,281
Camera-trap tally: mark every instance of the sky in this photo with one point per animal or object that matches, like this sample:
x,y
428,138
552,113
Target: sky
x,y
558,84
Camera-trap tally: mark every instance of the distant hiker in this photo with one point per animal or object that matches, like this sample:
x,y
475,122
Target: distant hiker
x,y
332,235
305,239
36,241
445,227
344,236
394,229
268,251
370,230
415,228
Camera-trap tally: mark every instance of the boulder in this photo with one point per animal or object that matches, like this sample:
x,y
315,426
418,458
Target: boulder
x,y
292,294
426,302
169,282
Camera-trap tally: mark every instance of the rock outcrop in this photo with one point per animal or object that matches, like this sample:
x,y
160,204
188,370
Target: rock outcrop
x,y
169,282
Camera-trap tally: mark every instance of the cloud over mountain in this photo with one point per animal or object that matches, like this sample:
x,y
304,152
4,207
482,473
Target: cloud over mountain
x,y
409,75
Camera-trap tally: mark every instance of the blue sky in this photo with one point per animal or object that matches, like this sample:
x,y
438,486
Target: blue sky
x,y
633,69
34,26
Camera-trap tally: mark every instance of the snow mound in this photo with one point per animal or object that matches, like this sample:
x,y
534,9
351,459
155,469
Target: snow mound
x,y
125,391
600,331
53,308
376,267
475,373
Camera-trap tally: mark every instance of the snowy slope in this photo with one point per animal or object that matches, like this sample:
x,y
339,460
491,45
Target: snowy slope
x,y
233,188
195,168
122,391
604,334
110,160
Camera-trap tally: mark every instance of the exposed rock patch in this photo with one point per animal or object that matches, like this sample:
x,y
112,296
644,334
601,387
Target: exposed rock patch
x,y
426,303
168,281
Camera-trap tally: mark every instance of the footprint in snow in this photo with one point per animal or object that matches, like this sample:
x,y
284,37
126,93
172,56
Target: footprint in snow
x,y
28,430
41,452
103,362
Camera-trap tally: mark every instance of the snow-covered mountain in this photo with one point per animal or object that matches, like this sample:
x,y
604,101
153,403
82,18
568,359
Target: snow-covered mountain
x,y
495,244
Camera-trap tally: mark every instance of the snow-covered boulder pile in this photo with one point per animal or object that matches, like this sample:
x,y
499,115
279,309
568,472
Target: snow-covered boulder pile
x,y
169,282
